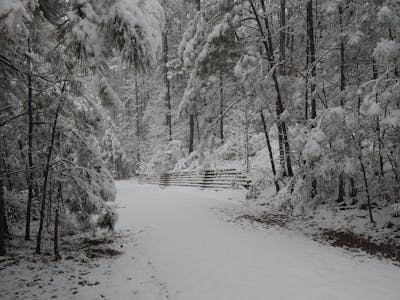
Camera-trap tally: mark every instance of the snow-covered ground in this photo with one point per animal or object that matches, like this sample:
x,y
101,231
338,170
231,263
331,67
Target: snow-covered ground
x,y
180,244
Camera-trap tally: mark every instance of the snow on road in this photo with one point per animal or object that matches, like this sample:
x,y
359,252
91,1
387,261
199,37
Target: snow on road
x,y
187,251
178,244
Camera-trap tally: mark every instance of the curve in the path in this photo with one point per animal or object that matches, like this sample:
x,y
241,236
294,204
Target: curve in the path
x,y
195,254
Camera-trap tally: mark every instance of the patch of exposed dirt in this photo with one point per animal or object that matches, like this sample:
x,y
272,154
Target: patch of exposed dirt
x,y
97,241
343,239
96,252
268,219
93,247
352,241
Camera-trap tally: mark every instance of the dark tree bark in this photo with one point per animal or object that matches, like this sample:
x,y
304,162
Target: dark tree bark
x,y
311,41
46,175
221,105
49,205
57,255
191,117
167,84
341,190
2,221
4,157
378,126
137,114
282,128
30,154
282,37
191,133
271,155
311,61
360,157
306,98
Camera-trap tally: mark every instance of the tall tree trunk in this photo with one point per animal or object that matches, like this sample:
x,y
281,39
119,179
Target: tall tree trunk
x,y
360,157
378,126
282,69
50,205
137,115
46,175
306,100
57,255
287,150
271,155
191,117
191,133
197,127
2,221
221,104
167,84
311,61
341,189
310,32
246,128
30,153
282,37
282,160
282,128
4,157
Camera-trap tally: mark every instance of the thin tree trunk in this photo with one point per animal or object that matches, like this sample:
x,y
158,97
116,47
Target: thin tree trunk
x,y
46,175
282,37
221,104
6,166
341,190
191,133
49,206
396,69
2,221
271,155
394,169
137,115
56,223
282,69
167,84
366,185
246,116
281,149
310,31
311,61
191,117
342,58
307,80
30,150
282,129
287,150
197,127
378,126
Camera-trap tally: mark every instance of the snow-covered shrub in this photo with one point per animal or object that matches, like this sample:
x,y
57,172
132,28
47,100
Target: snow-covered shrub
x,y
283,200
107,220
68,225
230,150
188,163
166,158
256,143
252,192
396,210
15,205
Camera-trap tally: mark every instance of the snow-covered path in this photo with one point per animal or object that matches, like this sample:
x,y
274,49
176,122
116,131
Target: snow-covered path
x,y
189,252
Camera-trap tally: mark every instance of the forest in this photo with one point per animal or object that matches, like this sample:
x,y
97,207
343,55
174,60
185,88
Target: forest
x,y
301,96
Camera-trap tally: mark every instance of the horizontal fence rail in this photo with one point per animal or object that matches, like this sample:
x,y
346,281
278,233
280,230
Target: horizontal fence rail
x,y
219,179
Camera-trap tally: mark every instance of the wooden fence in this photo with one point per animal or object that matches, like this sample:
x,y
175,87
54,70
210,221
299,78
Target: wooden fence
x,y
219,179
